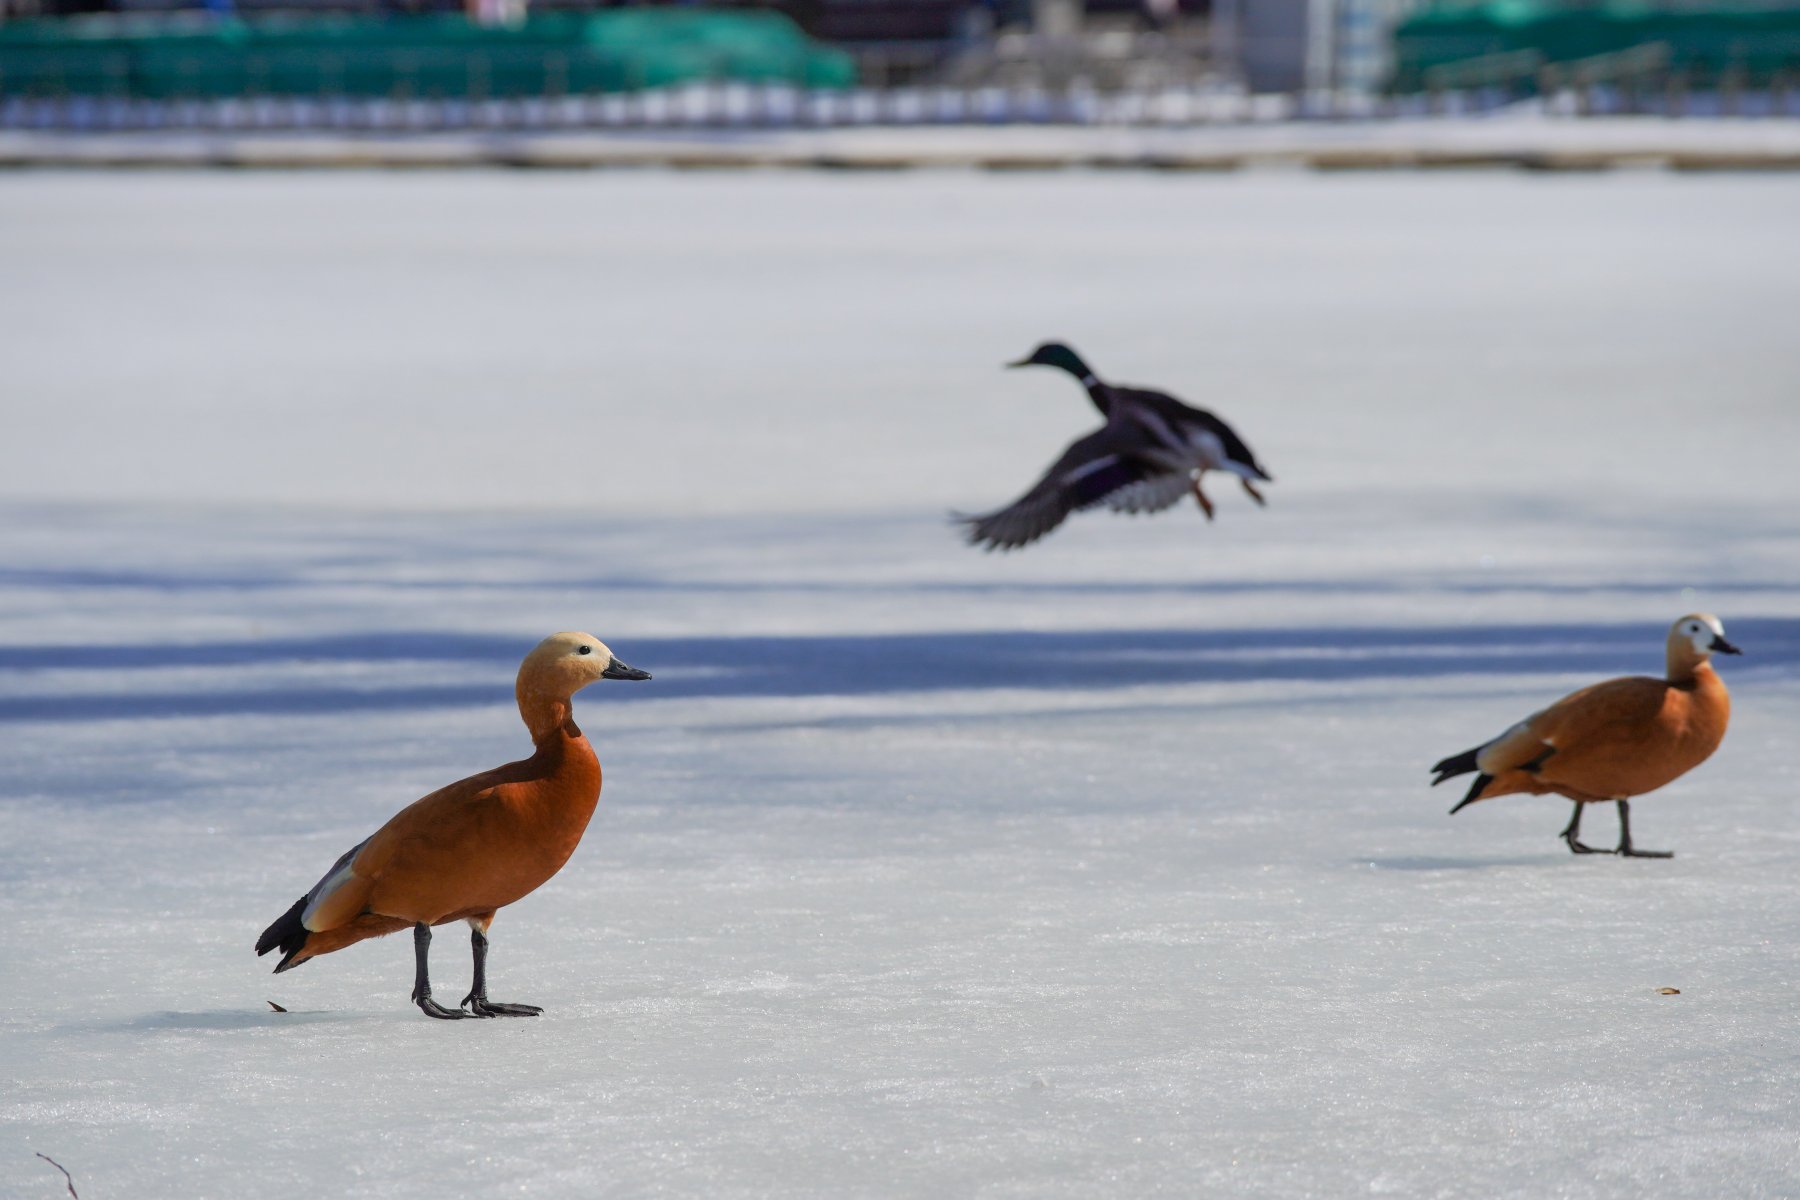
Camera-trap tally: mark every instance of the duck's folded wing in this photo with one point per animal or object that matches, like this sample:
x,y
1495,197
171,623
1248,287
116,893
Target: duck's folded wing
x,y
339,897
1092,469
1520,748
1188,417
1596,715
1618,710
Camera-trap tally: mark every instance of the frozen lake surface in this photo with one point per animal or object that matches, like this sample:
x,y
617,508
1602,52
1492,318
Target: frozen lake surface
x,y
1104,869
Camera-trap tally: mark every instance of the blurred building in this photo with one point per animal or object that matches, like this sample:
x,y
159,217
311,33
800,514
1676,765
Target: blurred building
x,y
1109,43
1265,46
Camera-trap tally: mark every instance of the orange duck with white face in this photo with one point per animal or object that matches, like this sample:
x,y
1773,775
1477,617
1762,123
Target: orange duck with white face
x,y
473,847
1614,740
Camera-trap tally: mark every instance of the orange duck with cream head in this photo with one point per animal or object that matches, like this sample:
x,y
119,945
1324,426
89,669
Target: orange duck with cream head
x,y
469,849
1613,740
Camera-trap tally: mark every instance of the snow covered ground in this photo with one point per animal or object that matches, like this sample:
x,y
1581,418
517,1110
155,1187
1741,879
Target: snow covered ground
x,y
1104,869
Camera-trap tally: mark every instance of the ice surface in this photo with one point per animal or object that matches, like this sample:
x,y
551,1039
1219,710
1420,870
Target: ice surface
x,y
1105,869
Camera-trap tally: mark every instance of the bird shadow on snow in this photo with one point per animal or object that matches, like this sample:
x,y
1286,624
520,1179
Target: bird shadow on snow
x,y
212,1021
1424,863
263,580
876,663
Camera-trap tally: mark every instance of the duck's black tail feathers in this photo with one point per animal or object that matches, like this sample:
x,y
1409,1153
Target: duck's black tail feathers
x,y
1475,790
287,934
1456,764
1462,764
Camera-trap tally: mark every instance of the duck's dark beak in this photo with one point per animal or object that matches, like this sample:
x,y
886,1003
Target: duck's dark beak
x,y
1027,361
618,670
1721,646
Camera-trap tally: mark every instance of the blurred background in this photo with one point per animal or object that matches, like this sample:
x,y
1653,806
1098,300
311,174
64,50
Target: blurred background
x,y
447,64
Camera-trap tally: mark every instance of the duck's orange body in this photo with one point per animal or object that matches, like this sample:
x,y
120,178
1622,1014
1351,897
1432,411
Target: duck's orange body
x,y
468,849
465,850
1614,740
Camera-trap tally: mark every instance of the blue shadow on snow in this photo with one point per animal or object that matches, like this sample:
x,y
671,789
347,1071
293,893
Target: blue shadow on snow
x,y
866,664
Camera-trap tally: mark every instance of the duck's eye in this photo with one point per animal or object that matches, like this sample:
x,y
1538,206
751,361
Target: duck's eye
x,y
585,650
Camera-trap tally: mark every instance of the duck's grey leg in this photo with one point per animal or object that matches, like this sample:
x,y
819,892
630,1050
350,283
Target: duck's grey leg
x,y
1205,504
422,978
1626,850
1572,835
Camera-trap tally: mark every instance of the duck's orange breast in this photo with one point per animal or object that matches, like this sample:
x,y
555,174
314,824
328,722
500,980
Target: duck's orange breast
x,y
478,845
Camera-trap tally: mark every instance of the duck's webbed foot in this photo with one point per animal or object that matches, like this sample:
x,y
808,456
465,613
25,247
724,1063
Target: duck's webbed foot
x,y
1572,835
476,1001
432,1008
1254,494
1626,849
481,1006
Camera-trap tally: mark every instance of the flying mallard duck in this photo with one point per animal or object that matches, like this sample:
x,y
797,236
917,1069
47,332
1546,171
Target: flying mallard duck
x,y
1614,740
1151,452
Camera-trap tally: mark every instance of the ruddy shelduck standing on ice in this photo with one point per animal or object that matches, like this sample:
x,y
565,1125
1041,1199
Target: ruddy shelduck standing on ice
x,y
471,848
1614,740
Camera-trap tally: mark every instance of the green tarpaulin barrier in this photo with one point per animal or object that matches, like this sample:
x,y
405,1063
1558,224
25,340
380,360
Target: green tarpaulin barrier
x,y
193,56
1704,44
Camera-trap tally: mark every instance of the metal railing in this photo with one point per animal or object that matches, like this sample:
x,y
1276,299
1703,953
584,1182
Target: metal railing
x,y
694,106
1640,79
1487,70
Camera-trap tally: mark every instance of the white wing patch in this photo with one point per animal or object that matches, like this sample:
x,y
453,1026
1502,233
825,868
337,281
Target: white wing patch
x,y
1210,448
1088,468
1150,495
334,879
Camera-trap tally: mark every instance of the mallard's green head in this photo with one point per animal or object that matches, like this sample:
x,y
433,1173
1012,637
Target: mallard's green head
x,y
1055,354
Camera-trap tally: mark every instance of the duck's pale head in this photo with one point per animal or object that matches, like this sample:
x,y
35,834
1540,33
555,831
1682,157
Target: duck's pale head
x,y
1697,637
564,663
1055,354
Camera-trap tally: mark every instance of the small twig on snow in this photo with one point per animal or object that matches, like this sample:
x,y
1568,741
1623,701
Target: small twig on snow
x,y
65,1171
